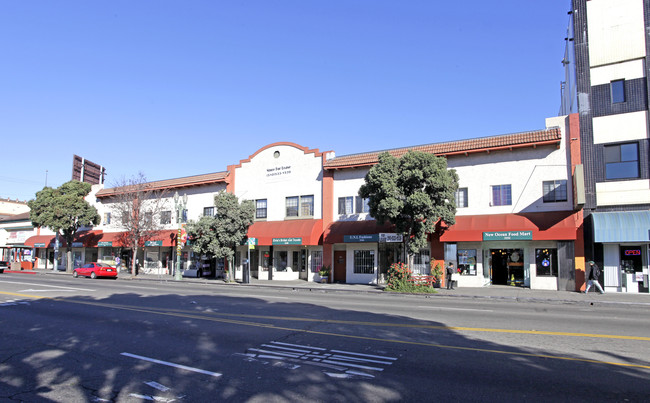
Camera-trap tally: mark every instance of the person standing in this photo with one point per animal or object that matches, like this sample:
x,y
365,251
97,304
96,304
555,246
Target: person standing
x,y
450,271
594,272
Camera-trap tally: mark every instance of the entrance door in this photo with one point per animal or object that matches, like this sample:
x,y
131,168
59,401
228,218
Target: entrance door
x,y
339,266
507,266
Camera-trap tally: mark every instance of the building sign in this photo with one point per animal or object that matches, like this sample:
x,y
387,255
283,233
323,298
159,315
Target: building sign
x,y
105,243
39,245
153,243
278,171
632,252
508,235
286,241
361,238
77,244
18,237
390,238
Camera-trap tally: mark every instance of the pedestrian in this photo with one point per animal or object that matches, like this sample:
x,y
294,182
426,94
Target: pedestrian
x,y
594,272
450,271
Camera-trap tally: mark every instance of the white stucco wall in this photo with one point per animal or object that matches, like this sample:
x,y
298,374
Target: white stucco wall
x,y
620,127
619,71
347,183
622,192
293,173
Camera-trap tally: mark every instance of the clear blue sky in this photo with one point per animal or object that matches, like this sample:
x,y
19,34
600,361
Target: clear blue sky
x,y
186,87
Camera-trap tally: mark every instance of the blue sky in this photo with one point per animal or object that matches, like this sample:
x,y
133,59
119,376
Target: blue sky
x,y
180,88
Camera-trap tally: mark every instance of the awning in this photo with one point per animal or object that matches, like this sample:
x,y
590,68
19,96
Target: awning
x,y
336,231
289,232
40,241
119,239
548,226
621,226
81,239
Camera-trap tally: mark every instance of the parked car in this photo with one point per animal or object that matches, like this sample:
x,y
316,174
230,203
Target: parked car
x,y
3,265
94,270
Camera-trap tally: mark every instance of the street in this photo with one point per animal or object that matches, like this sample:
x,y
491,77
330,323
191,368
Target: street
x,y
85,340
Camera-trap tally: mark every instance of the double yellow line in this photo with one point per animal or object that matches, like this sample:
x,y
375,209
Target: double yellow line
x,y
230,318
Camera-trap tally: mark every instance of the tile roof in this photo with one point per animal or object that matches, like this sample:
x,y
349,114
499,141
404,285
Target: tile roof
x,y
196,180
482,144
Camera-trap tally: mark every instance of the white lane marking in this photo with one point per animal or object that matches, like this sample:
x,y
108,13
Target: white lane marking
x,y
347,364
157,385
30,290
298,345
46,285
260,296
140,288
456,309
381,357
171,364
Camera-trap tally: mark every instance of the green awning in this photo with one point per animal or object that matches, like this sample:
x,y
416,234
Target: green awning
x,y
621,226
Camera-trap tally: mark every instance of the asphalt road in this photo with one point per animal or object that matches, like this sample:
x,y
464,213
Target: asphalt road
x,y
83,340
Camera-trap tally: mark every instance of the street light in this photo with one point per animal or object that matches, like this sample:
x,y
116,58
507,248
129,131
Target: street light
x,y
180,206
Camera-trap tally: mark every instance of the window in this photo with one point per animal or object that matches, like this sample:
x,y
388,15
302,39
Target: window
x,y
364,261
316,260
467,262
345,205
618,91
280,260
165,217
306,204
501,195
260,208
362,205
622,161
148,217
554,191
107,218
546,260
208,211
421,262
461,198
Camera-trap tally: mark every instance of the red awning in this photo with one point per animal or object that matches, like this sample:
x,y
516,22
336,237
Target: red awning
x,y
336,230
309,230
40,239
119,239
85,238
549,226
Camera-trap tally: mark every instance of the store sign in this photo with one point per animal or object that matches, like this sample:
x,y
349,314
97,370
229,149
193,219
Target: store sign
x,y
633,252
391,238
278,171
153,243
105,243
361,238
508,235
287,241
77,244
39,245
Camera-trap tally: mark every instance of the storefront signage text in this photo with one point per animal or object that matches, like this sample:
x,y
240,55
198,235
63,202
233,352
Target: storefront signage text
x,y
77,244
361,238
277,171
105,243
383,237
153,243
287,241
39,245
632,252
507,235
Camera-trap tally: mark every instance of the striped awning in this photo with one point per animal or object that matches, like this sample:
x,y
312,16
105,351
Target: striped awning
x,y
621,226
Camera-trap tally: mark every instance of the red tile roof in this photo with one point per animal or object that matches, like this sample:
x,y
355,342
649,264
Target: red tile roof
x,y
196,180
483,144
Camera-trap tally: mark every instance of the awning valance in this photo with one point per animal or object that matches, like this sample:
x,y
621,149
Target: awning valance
x,y
309,232
336,231
119,239
621,226
548,226
81,239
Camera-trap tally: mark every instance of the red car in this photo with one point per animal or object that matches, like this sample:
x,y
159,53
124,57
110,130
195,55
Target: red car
x,y
94,270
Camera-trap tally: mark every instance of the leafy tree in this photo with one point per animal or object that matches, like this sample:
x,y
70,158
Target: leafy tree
x,y
64,210
413,193
137,205
220,235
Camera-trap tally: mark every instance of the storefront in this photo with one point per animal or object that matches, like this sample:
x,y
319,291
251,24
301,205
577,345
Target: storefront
x,y
83,248
622,244
527,250
155,256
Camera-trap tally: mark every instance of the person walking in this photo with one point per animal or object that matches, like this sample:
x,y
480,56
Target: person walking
x,y
450,271
594,272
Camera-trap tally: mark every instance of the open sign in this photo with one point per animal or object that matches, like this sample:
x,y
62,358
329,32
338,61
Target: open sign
x,y
632,252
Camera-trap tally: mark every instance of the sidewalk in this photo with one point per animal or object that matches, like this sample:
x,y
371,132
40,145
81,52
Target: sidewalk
x,y
496,292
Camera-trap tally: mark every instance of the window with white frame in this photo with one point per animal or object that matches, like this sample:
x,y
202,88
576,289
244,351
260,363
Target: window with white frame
x,y
260,208
364,261
292,206
300,206
362,205
165,217
107,218
306,206
554,191
461,198
208,211
501,195
345,205
148,217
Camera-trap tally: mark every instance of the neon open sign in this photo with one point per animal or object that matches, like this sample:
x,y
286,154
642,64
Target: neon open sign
x,y
633,252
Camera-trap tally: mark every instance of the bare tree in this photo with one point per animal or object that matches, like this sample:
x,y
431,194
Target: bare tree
x,y
137,206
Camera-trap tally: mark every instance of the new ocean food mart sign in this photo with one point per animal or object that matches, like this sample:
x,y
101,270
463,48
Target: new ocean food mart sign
x,y
508,236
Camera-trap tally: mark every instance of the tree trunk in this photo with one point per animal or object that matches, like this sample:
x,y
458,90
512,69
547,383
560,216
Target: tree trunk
x,y
134,258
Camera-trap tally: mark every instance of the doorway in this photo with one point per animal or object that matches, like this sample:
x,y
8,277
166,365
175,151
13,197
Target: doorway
x,y
507,266
339,266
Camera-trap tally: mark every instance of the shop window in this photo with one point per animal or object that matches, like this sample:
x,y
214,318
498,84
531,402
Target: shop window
x,y
622,161
421,262
546,261
107,218
316,260
461,198
501,195
467,262
165,217
362,205
260,208
364,261
617,88
280,260
345,205
554,191
208,211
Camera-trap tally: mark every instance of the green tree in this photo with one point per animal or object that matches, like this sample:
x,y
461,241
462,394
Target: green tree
x,y
413,193
220,235
64,210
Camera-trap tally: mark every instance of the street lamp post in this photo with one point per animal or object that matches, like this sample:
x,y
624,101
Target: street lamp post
x,y
180,203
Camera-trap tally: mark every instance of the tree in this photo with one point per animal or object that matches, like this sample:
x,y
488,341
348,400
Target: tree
x,y
220,235
137,207
64,210
413,193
